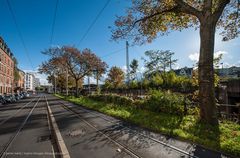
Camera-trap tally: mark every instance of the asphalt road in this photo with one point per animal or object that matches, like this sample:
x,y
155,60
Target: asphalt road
x,y
28,132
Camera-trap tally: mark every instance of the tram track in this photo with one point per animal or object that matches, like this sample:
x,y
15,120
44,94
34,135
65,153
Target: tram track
x,y
7,145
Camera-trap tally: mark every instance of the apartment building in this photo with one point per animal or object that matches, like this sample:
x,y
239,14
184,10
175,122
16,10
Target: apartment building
x,y
6,69
37,82
29,81
19,84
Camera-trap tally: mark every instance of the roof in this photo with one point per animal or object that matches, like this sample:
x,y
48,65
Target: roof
x,y
5,48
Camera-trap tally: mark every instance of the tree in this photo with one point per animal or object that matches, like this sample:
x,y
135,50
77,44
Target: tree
x,y
159,60
81,64
146,19
78,63
99,70
133,69
115,77
16,71
52,68
16,75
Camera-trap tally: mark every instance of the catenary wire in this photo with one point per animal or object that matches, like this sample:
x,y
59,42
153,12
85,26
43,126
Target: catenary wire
x,y
19,32
94,21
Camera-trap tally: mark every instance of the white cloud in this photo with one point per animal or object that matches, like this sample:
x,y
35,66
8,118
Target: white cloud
x,y
216,54
141,70
227,65
194,57
176,66
124,68
91,79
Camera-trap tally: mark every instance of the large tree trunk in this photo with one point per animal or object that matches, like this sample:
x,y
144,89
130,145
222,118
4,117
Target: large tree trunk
x,y
206,72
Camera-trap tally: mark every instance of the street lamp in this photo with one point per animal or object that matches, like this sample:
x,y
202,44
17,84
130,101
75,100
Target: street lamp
x,y
55,82
67,83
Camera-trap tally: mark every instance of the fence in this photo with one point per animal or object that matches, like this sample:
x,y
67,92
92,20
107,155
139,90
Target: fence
x,y
229,112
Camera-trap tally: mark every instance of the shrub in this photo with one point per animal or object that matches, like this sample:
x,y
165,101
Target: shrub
x,y
157,101
113,98
165,102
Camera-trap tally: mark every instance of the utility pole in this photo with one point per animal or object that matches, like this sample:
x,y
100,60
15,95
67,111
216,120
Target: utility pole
x,y
97,78
222,69
170,62
127,62
67,83
89,84
55,83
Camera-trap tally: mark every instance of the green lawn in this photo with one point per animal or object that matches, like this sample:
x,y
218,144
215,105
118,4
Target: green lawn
x,y
225,137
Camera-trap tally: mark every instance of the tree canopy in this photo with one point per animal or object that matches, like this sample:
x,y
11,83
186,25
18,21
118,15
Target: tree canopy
x,y
77,63
115,77
146,19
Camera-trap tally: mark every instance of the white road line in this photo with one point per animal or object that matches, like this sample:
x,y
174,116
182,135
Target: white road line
x,y
59,140
49,128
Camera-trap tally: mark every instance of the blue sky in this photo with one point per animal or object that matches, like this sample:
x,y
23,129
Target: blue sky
x,y
35,19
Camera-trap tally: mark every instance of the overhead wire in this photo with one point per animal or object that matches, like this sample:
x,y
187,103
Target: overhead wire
x,y
19,32
93,22
54,21
114,52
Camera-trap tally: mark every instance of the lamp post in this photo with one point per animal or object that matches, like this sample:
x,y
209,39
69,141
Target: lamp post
x,y
55,83
67,83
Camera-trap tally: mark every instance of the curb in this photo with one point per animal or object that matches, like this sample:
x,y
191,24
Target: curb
x,y
57,134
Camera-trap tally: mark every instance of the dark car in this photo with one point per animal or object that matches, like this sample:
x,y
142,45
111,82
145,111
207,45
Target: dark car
x,y
2,99
13,98
8,98
17,96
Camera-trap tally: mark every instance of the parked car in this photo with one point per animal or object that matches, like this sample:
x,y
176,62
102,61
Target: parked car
x,y
2,99
17,96
27,95
21,95
9,98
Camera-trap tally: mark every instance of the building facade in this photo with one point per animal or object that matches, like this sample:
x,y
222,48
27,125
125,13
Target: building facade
x,y
29,82
185,71
231,72
6,69
37,82
20,83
